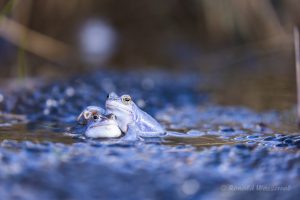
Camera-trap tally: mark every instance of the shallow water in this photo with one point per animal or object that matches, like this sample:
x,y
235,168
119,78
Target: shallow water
x,y
224,151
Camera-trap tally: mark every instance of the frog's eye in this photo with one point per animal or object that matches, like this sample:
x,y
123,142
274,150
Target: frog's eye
x,y
112,116
96,117
126,99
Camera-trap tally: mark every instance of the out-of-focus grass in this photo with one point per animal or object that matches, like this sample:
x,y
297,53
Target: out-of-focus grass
x,y
248,42
163,33
7,8
21,55
22,73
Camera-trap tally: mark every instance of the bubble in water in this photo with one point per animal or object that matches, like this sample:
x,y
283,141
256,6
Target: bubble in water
x,y
51,103
46,111
194,132
147,84
141,103
70,91
190,187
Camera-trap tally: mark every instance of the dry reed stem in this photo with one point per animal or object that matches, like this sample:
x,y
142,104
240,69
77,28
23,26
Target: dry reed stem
x,y
37,43
297,62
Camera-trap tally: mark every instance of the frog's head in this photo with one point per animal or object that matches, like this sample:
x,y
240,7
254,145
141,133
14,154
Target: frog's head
x,y
91,114
104,120
123,107
122,104
105,126
98,124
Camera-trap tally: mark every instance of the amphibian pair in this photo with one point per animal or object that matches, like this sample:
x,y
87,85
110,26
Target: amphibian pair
x,y
122,115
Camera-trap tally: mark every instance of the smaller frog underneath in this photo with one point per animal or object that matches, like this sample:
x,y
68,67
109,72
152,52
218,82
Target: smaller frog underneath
x,y
98,124
131,119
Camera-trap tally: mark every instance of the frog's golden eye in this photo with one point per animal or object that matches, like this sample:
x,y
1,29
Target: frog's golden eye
x,y
126,99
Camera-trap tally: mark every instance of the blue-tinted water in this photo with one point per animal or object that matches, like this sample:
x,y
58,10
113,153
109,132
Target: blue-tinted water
x,y
231,152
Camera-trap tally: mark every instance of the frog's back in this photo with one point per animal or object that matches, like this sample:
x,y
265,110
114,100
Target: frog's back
x,y
147,123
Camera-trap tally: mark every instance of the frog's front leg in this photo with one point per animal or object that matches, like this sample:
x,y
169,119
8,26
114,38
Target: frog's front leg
x,y
131,133
134,132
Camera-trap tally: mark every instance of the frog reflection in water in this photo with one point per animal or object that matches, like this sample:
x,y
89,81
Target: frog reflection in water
x,y
131,119
98,124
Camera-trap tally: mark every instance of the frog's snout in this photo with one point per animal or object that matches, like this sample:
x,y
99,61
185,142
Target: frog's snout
x,y
112,95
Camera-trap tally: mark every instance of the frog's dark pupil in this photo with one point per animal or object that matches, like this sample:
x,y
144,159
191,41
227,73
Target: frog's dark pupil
x,y
95,117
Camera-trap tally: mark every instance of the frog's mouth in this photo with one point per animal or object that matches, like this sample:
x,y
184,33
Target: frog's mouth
x,y
101,125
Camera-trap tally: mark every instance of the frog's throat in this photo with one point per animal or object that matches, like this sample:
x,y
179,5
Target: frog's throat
x,y
113,106
101,125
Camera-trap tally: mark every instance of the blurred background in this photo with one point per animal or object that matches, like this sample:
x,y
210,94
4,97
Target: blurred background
x,y
245,45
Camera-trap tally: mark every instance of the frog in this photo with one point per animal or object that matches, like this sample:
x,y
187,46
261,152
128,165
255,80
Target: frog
x,y
131,119
85,116
99,124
